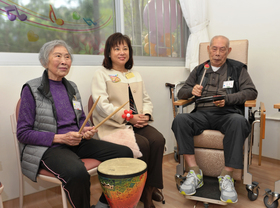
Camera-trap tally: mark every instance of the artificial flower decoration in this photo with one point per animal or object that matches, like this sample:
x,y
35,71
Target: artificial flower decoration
x,y
127,115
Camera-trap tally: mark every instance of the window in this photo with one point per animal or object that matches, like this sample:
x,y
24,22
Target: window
x,y
26,25
156,27
85,25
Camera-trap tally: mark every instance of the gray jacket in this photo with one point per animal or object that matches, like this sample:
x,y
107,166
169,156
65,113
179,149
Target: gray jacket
x,y
45,120
243,89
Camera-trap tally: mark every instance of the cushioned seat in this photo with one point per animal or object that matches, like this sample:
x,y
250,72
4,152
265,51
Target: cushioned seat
x,y
210,139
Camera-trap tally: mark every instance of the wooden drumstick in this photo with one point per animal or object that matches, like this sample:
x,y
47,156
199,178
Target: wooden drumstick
x,y
110,115
206,66
89,114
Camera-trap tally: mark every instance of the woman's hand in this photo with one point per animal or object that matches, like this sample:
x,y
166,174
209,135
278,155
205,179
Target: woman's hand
x,y
88,132
139,120
71,138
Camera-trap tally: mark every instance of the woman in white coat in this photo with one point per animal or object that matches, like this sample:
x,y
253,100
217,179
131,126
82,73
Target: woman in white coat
x,y
116,83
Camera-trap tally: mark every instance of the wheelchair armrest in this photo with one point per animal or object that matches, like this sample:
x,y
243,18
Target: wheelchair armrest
x,y
248,108
183,102
180,104
250,103
277,106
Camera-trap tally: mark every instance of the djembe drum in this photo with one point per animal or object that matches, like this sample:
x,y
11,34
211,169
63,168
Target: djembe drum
x,y
122,181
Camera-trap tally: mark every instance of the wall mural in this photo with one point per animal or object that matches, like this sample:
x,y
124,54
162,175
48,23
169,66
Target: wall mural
x,y
27,24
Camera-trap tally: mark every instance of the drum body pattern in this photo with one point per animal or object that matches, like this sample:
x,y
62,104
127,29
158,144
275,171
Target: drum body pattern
x,y
122,181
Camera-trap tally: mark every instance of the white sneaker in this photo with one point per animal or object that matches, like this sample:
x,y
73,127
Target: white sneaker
x,y
228,193
192,182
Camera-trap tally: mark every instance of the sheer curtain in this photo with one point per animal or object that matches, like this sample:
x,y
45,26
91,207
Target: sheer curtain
x,y
195,14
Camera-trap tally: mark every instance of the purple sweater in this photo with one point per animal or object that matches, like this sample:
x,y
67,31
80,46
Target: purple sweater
x,y
66,119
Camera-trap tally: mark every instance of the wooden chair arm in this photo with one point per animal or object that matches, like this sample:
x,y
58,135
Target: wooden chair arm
x,y
250,103
277,106
183,102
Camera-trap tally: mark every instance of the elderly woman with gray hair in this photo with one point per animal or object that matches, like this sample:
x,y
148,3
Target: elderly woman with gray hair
x,y
49,119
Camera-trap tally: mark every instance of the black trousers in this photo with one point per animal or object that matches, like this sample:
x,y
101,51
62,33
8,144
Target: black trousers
x,y
228,121
64,162
151,143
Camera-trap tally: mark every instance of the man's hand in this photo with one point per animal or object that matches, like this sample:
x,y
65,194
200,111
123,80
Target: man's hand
x,y
220,103
197,90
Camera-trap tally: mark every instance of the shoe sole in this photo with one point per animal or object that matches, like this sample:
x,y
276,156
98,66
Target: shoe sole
x,y
229,201
199,186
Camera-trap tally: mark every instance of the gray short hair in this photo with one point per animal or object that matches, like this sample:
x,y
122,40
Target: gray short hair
x,y
48,47
220,36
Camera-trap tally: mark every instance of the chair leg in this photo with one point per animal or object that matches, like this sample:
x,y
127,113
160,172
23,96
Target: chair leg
x,y
64,198
1,202
1,189
247,177
277,187
21,191
260,152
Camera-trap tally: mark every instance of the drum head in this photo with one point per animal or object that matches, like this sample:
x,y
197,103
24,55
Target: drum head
x,y
122,167
122,181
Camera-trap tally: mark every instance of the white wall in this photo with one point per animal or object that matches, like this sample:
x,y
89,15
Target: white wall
x,y
255,20
258,21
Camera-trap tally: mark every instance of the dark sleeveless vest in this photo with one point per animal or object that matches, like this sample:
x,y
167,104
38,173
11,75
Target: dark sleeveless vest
x,y
45,120
233,72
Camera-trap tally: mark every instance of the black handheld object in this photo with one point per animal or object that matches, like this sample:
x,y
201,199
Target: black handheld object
x,y
210,98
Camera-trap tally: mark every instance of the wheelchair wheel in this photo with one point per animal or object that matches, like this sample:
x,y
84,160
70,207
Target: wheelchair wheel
x,y
178,187
176,156
179,181
273,205
253,196
206,205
